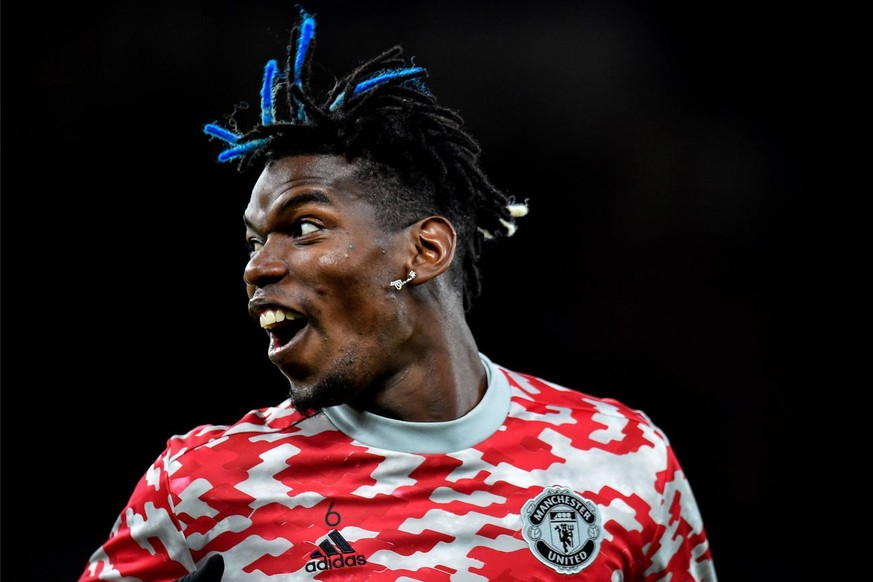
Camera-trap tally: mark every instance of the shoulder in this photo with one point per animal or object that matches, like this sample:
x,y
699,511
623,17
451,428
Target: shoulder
x,y
539,390
602,419
280,419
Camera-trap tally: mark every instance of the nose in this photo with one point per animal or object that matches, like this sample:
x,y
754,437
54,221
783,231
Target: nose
x,y
266,265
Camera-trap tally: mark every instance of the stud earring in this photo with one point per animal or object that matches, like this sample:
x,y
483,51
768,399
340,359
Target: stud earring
x,y
398,284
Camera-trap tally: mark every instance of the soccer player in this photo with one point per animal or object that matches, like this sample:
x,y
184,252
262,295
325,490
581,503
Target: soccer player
x,y
401,452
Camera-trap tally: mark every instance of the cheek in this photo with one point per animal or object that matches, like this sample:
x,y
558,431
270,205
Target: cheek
x,y
354,269
361,285
329,261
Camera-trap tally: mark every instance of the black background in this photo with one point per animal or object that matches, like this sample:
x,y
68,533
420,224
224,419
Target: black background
x,y
664,149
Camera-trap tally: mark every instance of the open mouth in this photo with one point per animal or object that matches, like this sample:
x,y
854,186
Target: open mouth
x,y
282,325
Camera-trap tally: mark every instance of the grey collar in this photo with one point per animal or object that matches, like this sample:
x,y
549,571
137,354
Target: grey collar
x,y
429,437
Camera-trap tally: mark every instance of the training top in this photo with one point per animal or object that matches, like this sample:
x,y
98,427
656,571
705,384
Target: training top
x,y
537,482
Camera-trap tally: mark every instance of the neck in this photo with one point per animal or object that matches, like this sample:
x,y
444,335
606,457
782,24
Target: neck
x,y
443,378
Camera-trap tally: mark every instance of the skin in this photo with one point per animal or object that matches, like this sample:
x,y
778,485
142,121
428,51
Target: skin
x,y
318,251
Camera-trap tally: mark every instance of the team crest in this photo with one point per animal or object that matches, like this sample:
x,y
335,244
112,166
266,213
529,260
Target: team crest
x,y
562,529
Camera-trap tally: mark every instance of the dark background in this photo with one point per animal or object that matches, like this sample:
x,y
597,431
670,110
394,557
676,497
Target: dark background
x,y
664,148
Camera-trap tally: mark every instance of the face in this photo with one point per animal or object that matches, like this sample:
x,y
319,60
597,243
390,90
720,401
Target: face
x,y
318,281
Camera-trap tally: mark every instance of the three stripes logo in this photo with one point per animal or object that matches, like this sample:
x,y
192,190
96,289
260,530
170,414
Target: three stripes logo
x,y
335,552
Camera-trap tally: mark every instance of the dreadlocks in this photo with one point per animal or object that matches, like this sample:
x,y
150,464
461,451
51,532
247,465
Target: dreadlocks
x,y
415,154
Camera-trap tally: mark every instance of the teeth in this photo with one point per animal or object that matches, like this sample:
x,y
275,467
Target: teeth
x,y
271,317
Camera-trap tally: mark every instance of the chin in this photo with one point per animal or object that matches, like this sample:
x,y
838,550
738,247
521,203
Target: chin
x,y
326,393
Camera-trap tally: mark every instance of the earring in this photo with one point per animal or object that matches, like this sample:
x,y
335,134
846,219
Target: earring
x,y
398,284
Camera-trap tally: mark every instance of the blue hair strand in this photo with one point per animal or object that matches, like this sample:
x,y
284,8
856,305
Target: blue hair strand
x,y
307,33
271,71
221,133
377,80
242,149
365,86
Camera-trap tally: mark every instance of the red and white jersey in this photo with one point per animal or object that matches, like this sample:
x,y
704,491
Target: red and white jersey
x,y
538,482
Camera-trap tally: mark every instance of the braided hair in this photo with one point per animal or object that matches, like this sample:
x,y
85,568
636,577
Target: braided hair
x,y
414,153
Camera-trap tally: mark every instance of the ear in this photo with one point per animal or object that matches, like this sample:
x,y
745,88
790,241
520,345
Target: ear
x,y
435,239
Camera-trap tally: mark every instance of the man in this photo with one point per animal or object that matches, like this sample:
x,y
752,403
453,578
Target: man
x,y
402,452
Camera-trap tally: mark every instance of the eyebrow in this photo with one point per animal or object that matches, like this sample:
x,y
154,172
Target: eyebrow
x,y
310,196
305,198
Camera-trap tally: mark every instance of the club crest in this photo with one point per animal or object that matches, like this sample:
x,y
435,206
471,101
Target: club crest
x,y
562,529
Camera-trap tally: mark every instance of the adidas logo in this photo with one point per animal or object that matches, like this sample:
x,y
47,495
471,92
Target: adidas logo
x,y
339,554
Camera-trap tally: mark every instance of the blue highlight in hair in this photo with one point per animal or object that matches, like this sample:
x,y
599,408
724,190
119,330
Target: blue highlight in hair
x,y
271,71
221,133
232,138
273,75
387,76
375,81
307,33
232,153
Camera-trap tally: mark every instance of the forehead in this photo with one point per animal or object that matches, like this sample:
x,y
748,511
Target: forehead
x,y
332,177
325,170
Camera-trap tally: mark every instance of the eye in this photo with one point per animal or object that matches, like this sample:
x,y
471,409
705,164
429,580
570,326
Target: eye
x,y
253,246
305,227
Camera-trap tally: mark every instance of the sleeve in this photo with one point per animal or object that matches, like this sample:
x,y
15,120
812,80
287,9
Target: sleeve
x,y
679,550
146,543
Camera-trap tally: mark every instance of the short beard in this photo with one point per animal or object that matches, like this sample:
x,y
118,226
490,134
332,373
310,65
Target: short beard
x,y
330,392
336,388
